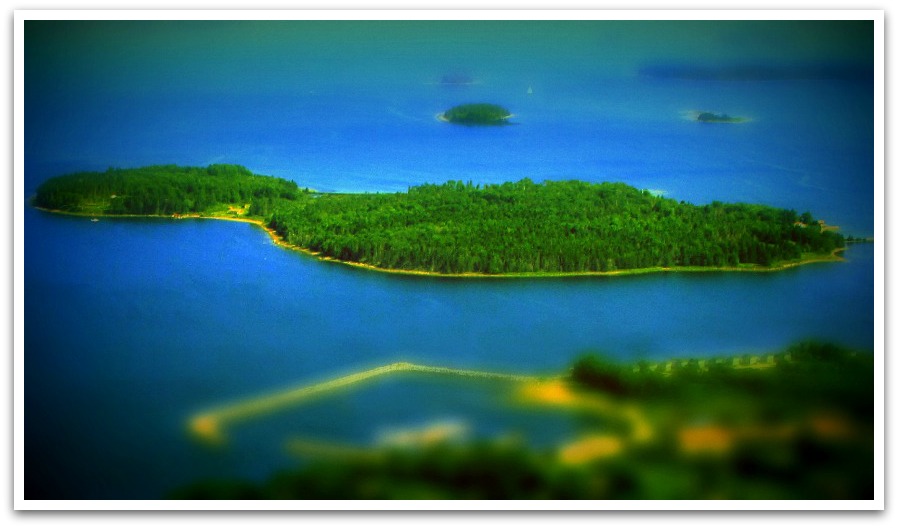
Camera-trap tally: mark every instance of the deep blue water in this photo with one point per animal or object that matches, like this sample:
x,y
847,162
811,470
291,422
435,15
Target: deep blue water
x,y
132,325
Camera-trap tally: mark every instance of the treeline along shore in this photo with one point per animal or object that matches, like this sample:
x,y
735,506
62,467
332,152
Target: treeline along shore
x,y
455,228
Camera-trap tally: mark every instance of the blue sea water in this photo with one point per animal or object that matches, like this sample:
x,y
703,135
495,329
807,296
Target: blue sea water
x,y
132,325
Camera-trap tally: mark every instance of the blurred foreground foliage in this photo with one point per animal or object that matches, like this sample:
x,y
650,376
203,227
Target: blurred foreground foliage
x,y
806,374
800,430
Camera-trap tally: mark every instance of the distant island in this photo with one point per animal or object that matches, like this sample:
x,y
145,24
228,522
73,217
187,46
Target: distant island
x,y
708,117
462,229
476,114
759,72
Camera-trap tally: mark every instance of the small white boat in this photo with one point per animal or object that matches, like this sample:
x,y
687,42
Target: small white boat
x,y
94,219
530,90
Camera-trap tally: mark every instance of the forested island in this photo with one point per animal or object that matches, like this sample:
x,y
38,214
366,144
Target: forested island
x,y
477,114
708,117
455,228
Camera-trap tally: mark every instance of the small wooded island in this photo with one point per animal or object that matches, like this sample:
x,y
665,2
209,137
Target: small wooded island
x,y
708,117
476,114
455,228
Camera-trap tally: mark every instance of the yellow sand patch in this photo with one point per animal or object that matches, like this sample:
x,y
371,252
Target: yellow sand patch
x,y
705,439
555,392
590,448
207,429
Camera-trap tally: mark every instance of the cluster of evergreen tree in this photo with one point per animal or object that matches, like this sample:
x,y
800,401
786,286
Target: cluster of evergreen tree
x,y
163,190
522,227
477,114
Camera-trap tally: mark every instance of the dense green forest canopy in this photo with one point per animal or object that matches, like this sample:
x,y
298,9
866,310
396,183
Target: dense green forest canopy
x,y
161,190
477,114
455,227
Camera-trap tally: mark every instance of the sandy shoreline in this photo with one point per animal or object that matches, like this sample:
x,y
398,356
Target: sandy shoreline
x,y
833,257
278,241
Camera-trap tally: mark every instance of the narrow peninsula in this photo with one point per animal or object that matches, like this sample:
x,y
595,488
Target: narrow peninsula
x,y
464,229
479,114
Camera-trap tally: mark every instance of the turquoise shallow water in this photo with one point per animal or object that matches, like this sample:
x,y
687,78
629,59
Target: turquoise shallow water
x,y
132,325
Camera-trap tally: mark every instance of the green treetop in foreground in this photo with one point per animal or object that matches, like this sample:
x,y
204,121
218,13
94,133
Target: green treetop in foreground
x,y
456,228
477,114
801,428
